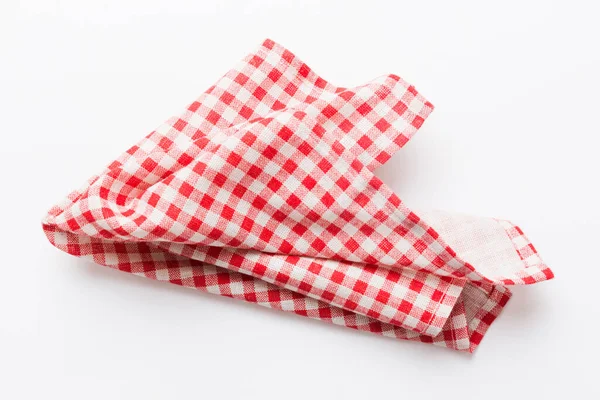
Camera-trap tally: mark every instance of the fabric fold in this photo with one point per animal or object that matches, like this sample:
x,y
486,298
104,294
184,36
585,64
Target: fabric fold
x,y
263,190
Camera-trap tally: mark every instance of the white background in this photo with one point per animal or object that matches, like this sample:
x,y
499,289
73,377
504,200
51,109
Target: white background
x,y
514,135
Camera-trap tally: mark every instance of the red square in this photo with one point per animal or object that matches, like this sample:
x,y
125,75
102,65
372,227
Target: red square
x,y
337,277
346,126
285,133
149,164
194,106
246,112
270,152
266,235
327,199
259,202
383,296
299,229
315,268
259,93
241,79
256,61
259,269
291,89
200,281
362,199
405,307
287,56
180,124
364,109
206,201
274,296
293,200
416,285
278,105
165,143
274,184
318,244
420,246
400,108
382,125
305,287
223,278
274,75
227,212
309,182
417,122
290,166
365,142
213,117
360,287
329,111
227,97
325,165
426,317
333,229
282,278
186,189
352,245
324,313
185,159
247,224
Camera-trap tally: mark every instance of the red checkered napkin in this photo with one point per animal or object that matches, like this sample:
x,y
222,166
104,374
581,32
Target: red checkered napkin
x,y
263,190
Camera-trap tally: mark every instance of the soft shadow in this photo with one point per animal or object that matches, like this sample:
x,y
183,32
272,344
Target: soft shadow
x,y
83,270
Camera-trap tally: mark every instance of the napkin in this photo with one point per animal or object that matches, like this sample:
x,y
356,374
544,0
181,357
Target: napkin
x,y
263,190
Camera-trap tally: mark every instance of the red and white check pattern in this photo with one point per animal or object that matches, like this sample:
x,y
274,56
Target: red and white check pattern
x,y
263,190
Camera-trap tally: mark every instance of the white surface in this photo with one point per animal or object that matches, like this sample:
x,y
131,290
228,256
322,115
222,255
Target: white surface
x,y
515,134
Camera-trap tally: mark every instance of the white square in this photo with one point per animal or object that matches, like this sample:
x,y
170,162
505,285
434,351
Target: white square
x,y
343,292
223,196
350,230
250,155
422,302
167,162
196,120
282,231
211,219
292,184
229,115
243,95
416,106
389,312
301,245
162,274
256,187
232,229
223,83
368,245
307,165
243,207
320,282
410,321
366,302
231,143
377,281
326,183
262,219
177,228
334,244
310,200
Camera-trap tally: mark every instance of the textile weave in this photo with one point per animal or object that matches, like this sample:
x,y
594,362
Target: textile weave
x,y
263,189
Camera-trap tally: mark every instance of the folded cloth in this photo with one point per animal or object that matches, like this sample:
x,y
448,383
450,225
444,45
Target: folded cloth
x,y
263,190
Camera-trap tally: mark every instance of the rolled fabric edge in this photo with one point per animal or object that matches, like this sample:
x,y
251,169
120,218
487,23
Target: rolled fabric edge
x,y
472,314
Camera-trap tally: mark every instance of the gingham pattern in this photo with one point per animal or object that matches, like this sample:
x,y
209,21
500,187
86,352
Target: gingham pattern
x,y
263,190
